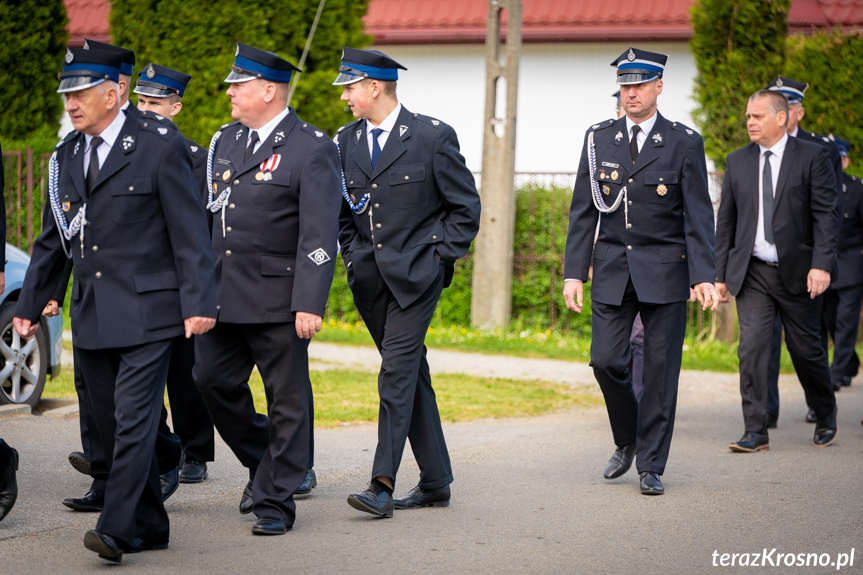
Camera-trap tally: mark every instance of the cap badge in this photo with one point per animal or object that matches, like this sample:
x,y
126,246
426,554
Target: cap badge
x,y
193,148
779,82
619,136
151,72
657,137
69,56
402,130
631,55
319,134
86,45
319,256
606,190
661,189
128,142
163,131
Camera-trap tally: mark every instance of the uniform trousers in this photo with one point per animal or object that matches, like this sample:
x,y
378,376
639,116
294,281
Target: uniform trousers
x,y
842,314
125,389
762,294
650,422
408,405
189,414
275,448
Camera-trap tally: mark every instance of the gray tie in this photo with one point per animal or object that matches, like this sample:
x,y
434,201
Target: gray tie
x,y
767,193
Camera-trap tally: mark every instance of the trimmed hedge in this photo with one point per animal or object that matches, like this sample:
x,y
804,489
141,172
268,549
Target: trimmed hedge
x,y
199,38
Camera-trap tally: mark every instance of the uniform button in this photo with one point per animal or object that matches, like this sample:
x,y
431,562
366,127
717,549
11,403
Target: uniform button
x,y
407,177
236,182
145,124
228,229
377,226
95,249
379,246
231,206
628,226
630,180
660,179
131,188
98,275
374,186
629,248
630,202
228,253
289,268
377,206
846,216
351,182
305,125
218,307
683,256
434,237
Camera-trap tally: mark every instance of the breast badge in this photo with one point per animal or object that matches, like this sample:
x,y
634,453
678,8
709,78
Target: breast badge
x,y
661,189
614,175
227,175
606,190
66,206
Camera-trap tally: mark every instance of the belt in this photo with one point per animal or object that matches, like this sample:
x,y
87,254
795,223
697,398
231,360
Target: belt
x,y
774,265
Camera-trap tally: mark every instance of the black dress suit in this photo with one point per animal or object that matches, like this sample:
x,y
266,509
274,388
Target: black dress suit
x,y
805,230
274,257
646,267
843,299
423,214
128,301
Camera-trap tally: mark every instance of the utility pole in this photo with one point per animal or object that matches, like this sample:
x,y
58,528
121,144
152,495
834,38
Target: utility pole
x,y
491,297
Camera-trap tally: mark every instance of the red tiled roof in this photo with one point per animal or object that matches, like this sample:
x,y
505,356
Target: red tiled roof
x,y
463,21
88,19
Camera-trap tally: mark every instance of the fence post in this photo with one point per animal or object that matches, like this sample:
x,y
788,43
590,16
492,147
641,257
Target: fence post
x,y
29,199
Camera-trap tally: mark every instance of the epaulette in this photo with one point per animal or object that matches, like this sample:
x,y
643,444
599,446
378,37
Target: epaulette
x,y
428,120
157,128
154,116
817,136
349,124
313,131
601,126
684,128
68,138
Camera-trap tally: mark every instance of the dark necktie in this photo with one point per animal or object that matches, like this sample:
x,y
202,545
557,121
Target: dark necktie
x,y
633,143
93,170
767,194
376,147
250,149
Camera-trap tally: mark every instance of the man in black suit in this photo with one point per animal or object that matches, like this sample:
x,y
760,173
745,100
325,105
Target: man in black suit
x,y
411,211
776,243
275,201
844,298
647,257
120,176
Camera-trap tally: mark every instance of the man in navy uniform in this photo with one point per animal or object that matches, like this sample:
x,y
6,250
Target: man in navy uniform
x,y
411,210
275,190
776,238
92,461
844,298
655,242
160,91
120,176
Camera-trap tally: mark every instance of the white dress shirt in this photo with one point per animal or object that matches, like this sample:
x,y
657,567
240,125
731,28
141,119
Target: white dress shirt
x,y
109,135
267,129
762,250
387,126
646,127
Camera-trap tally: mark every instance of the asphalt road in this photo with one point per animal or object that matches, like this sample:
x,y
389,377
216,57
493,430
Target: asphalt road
x,y
528,496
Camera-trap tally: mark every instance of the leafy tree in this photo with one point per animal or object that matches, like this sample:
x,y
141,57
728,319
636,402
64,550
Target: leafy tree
x,y
739,46
31,55
829,62
199,38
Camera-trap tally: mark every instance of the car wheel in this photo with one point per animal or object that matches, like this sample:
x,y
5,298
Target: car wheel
x,y
24,362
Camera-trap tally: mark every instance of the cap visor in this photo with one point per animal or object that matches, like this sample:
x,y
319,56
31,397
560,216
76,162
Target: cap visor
x,y
344,79
237,77
152,91
76,83
627,79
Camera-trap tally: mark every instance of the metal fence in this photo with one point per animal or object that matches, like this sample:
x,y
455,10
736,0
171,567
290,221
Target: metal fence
x,y
24,195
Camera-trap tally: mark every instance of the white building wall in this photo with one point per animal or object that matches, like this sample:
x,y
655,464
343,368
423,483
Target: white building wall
x,y
563,89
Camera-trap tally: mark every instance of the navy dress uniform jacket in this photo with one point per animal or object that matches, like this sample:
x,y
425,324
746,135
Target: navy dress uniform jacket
x,y
850,249
146,264
805,214
670,244
276,228
424,208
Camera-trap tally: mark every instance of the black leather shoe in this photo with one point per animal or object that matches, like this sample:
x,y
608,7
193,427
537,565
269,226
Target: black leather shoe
x,y
811,417
139,545
376,499
247,500
845,381
269,526
620,462
93,501
837,385
309,483
193,471
825,431
8,479
79,462
772,420
104,545
751,442
170,481
418,497
651,484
